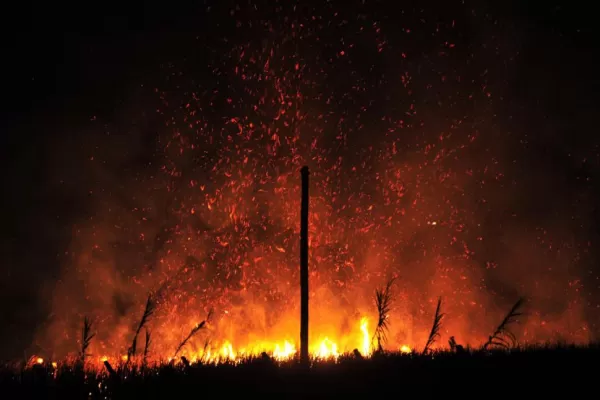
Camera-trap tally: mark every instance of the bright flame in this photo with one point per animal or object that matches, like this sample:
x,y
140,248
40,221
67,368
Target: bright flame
x,y
366,342
227,351
327,349
286,352
323,348
54,365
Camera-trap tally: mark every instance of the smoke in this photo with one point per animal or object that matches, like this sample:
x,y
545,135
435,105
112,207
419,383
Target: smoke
x,y
420,170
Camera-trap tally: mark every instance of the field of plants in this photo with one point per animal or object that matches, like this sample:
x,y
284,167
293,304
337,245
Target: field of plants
x,y
564,370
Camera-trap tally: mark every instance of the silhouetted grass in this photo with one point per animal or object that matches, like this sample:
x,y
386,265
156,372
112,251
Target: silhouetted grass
x,y
147,343
502,336
148,311
435,328
194,330
500,359
86,338
540,368
383,302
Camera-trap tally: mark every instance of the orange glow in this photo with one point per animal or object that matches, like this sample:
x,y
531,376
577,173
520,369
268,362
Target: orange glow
x,y
366,339
327,349
210,220
227,352
39,360
323,348
288,350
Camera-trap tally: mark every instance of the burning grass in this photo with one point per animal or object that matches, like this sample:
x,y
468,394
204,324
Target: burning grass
x,y
276,370
205,213
365,344
387,372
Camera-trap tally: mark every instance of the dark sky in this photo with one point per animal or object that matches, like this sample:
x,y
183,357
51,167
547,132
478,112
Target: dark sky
x,y
63,64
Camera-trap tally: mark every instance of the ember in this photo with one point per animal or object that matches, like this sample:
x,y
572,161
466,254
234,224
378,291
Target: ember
x,y
413,196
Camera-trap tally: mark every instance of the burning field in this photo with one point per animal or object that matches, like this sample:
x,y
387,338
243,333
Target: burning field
x,y
431,209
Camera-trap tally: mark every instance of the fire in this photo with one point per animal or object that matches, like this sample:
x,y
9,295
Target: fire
x,y
287,351
327,349
39,360
366,341
212,218
405,349
227,352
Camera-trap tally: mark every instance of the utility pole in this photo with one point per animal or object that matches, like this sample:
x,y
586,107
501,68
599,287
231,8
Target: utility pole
x,y
304,269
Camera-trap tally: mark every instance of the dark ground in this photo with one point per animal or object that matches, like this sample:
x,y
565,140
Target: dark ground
x,y
559,370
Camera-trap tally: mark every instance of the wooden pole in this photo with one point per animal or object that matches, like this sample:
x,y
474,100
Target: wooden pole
x,y
304,269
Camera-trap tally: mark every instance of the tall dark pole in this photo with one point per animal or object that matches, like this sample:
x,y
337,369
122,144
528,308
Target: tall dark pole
x,y
304,269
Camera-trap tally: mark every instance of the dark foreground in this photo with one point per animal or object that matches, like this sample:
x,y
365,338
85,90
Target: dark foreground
x,y
558,371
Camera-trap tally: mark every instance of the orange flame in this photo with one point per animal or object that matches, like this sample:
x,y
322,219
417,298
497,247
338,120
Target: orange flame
x,y
405,349
366,341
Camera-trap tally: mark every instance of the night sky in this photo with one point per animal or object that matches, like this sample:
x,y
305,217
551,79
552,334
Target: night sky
x,y
73,73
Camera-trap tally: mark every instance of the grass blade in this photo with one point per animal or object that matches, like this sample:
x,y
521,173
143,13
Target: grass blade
x,y
435,328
